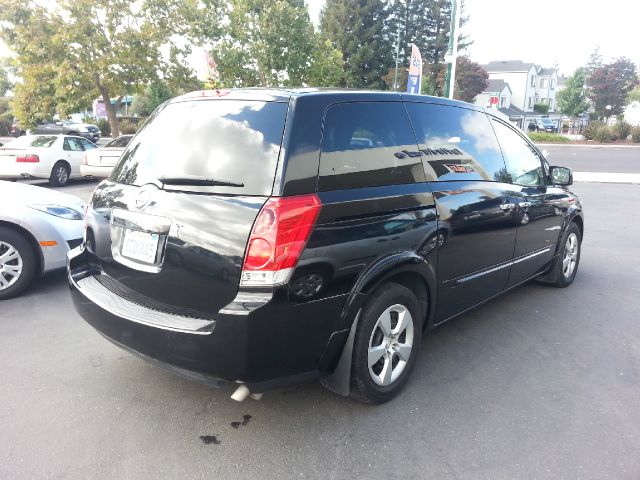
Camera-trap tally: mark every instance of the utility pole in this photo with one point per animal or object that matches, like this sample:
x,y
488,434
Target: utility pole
x,y
395,76
452,52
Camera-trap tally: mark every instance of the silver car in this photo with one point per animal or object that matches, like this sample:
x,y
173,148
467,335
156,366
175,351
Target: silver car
x,y
38,227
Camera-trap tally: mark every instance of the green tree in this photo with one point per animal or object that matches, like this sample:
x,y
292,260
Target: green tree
x,y
359,29
6,83
79,49
634,95
269,43
152,96
610,84
426,23
595,62
572,99
326,68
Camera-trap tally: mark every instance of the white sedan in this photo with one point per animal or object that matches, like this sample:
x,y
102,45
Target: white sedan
x,y
56,157
38,226
99,162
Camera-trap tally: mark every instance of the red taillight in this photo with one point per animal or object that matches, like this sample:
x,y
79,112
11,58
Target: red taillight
x,y
27,159
279,235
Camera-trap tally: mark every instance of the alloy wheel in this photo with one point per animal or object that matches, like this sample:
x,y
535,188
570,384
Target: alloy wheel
x,y
61,174
390,345
570,258
10,265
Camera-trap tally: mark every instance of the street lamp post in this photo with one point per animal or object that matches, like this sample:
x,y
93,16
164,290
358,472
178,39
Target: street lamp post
x,y
452,52
395,76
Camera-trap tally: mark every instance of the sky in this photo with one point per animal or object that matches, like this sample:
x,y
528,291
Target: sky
x,y
547,31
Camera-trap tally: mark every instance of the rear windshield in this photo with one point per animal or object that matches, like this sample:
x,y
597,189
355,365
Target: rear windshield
x,y
119,142
228,140
24,142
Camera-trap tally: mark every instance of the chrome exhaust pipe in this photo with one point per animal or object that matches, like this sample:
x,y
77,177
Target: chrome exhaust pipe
x,y
242,392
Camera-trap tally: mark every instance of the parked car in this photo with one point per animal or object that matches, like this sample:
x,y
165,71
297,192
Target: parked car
x,y
68,127
413,209
542,125
56,157
38,227
99,162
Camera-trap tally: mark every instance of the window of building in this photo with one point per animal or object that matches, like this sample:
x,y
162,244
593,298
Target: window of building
x,y
544,82
530,102
533,81
523,163
503,102
456,143
367,144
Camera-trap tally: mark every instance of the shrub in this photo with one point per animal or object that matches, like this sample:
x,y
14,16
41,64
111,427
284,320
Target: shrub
x,y
105,127
635,134
603,134
545,137
591,129
128,127
621,129
542,108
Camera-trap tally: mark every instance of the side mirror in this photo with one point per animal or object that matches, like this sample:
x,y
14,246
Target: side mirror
x,y
561,176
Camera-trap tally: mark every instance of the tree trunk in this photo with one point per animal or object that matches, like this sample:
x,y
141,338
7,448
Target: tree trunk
x,y
111,111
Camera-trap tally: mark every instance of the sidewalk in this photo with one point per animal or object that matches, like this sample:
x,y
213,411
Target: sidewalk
x,y
583,145
606,177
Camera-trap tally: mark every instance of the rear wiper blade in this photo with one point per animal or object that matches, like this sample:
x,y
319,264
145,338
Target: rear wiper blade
x,y
198,181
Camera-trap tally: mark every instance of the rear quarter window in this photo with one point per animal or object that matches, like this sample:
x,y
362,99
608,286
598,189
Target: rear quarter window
x,y
367,144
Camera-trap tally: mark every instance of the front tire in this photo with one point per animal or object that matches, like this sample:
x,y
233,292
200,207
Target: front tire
x,y
60,174
566,266
17,263
386,344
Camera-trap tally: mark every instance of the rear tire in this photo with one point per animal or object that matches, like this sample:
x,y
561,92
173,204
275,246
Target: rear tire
x,y
386,344
60,174
17,263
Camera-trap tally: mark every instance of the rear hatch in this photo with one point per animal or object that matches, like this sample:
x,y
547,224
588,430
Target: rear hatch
x,y
171,225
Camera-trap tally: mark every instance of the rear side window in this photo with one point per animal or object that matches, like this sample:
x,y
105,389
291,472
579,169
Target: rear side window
x,y
368,144
72,144
228,140
457,143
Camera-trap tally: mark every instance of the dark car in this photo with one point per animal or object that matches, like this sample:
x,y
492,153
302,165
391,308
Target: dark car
x,y
542,125
68,127
265,237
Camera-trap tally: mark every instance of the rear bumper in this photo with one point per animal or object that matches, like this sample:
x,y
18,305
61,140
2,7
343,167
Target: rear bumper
x,y
272,346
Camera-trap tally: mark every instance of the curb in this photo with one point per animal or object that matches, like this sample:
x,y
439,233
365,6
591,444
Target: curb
x,y
606,177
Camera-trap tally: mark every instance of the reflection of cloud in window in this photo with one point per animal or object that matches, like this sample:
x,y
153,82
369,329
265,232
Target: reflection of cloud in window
x,y
482,137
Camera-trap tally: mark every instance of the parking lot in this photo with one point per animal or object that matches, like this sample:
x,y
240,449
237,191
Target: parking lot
x,y
541,383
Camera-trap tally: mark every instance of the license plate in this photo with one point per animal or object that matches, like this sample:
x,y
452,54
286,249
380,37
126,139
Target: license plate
x,y
140,246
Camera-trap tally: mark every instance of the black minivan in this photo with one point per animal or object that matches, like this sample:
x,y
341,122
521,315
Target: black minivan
x,y
264,237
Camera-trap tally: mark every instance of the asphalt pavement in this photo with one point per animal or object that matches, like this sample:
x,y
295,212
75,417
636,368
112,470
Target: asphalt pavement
x,y
541,383
610,158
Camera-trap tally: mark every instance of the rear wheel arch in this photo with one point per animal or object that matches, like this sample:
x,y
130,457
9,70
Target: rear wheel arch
x,y
37,251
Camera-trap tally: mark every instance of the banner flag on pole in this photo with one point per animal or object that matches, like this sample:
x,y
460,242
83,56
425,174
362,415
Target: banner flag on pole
x,y
414,83
211,65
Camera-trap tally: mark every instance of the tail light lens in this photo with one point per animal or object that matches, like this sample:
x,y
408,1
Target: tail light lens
x,y
279,236
27,159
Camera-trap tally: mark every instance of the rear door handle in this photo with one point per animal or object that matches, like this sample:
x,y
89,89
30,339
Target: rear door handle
x,y
524,204
508,206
